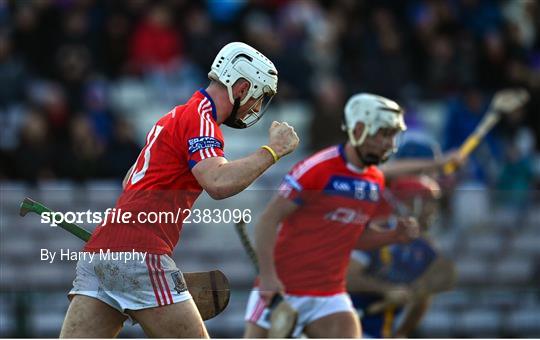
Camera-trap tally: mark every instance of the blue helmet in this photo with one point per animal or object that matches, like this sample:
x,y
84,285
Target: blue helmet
x,y
418,146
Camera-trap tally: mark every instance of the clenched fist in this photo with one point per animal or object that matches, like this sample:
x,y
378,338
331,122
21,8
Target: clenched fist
x,y
283,138
454,157
407,230
269,286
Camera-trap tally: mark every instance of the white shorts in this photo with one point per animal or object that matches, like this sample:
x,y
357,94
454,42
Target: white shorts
x,y
309,308
130,284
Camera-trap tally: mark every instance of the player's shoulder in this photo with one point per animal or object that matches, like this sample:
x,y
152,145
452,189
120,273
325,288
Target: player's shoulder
x,y
319,162
374,170
423,242
198,115
323,156
374,173
197,105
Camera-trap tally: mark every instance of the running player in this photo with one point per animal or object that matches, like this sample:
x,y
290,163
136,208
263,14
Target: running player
x,y
183,155
321,210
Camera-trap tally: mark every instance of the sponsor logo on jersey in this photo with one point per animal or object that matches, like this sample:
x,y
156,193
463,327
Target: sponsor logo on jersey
x,y
353,188
201,143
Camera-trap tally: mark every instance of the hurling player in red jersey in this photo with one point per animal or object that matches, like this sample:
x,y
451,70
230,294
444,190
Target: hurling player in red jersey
x,y
183,155
305,236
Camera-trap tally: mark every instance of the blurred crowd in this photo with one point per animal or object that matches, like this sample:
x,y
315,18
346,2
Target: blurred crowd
x,y
59,60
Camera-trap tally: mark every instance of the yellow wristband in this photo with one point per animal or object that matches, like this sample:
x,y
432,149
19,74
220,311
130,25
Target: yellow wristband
x,y
272,152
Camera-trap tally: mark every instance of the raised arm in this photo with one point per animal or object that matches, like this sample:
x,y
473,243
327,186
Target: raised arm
x,y
414,312
415,166
440,276
222,179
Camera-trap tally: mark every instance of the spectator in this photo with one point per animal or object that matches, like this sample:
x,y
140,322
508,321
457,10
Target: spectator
x,y
155,43
492,63
328,103
96,105
12,74
413,50
121,152
464,114
385,69
79,158
516,177
198,27
33,159
113,49
35,35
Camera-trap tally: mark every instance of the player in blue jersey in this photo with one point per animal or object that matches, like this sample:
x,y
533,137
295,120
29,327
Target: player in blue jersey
x,y
384,283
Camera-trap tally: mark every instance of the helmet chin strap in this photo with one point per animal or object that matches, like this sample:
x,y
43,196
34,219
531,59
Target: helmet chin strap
x,y
233,121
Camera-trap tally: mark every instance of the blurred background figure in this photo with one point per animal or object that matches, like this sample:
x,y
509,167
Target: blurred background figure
x,y
82,81
391,275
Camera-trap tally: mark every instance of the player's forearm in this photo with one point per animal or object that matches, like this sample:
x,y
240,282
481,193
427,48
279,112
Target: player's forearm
x,y
265,240
397,168
232,177
412,318
371,239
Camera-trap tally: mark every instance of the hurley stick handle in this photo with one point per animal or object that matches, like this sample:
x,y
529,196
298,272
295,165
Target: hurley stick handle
x,y
29,205
246,243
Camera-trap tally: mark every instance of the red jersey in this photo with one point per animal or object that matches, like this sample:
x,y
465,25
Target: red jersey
x,y
161,180
336,201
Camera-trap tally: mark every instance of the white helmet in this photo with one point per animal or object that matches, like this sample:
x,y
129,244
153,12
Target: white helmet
x,y
375,112
238,60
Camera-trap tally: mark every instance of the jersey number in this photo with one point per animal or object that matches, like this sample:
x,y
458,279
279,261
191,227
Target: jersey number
x,y
150,139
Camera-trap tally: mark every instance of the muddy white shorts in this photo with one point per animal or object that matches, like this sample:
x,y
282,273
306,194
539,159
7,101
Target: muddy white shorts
x,y
309,308
143,281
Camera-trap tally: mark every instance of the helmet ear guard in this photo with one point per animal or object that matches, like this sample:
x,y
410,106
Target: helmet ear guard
x,y
357,142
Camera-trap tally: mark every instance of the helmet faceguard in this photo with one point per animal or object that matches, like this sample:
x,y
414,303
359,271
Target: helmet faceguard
x,y
252,116
241,61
